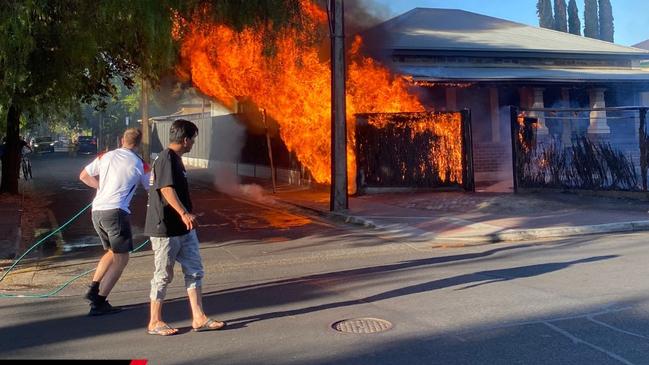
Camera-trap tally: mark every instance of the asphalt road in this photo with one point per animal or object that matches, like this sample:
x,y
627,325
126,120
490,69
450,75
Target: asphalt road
x,y
281,279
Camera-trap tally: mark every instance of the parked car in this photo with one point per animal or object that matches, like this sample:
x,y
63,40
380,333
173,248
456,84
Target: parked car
x,y
60,146
87,144
43,144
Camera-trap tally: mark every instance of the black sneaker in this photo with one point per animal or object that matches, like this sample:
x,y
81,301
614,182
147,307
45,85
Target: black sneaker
x,y
103,308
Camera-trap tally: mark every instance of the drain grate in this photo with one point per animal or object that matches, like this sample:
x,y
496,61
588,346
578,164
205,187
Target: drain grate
x,y
362,325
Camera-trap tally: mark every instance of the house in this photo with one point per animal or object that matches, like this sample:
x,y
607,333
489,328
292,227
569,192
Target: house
x,y
644,64
229,142
463,60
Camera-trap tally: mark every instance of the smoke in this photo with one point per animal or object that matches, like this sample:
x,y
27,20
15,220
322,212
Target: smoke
x,y
361,15
228,139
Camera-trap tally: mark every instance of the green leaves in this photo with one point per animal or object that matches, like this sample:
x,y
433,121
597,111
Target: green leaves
x,y
58,49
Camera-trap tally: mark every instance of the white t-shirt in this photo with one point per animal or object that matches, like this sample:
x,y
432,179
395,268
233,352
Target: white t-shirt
x,y
119,171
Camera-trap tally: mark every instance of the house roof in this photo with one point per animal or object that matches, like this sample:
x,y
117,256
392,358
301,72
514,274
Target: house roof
x,y
436,73
426,29
643,45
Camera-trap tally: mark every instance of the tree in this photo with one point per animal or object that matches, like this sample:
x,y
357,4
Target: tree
x,y
605,21
56,51
574,24
560,16
591,19
544,12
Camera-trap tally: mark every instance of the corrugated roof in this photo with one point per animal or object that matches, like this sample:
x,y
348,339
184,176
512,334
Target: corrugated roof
x,y
434,73
459,30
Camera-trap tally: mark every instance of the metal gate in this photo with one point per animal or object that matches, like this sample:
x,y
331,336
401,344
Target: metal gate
x,y
414,150
585,149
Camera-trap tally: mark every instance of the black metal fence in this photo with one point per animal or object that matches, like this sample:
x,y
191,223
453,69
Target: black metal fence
x,y
414,150
587,149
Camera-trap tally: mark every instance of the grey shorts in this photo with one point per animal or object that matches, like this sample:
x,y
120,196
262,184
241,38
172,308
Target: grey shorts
x,y
114,229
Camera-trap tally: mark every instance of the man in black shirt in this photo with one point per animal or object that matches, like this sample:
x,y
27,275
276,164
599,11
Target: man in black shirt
x,y
171,225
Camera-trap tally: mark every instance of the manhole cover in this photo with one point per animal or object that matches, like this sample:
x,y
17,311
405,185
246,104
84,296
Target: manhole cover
x,y
362,325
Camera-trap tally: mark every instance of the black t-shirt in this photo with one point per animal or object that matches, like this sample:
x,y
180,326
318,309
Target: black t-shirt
x,y
162,220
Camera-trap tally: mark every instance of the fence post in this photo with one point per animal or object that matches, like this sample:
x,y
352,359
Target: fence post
x,y
642,141
468,177
513,113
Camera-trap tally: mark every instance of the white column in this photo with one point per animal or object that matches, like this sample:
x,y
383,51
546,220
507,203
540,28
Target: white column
x,y
495,114
644,98
597,118
451,98
538,103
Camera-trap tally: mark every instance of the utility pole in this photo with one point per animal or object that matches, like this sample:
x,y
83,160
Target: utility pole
x,y
146,147
270,150
338,199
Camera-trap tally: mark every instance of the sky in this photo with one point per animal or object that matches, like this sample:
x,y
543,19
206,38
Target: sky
x,y
631,16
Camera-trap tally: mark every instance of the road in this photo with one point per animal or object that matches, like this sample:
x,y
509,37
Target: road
x,y
281,279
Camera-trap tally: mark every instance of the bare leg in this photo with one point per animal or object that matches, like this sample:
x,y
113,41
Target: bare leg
x,y
155,320
113,273
103,265
198,316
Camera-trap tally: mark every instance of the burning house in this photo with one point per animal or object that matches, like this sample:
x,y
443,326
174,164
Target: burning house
x,y
466,60
441,81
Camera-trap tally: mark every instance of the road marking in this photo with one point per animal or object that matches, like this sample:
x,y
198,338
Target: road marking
x,y
577,340
590,318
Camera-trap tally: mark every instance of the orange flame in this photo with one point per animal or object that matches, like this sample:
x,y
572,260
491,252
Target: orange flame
x,y
294,86
446,154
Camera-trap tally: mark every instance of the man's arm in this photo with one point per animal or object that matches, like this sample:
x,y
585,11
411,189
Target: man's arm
x,y
91,181
170,196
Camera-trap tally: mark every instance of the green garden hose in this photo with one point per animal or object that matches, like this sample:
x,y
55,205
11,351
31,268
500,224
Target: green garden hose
x,y
63,286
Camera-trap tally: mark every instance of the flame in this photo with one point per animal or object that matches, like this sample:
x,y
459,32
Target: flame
x,y
525,133
294,86
446,153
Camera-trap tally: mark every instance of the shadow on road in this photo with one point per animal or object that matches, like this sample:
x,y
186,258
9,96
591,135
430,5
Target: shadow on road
x,y
48,331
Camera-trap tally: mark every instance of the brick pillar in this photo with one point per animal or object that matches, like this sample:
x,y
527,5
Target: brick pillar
x,y
451,98
567,125
495,114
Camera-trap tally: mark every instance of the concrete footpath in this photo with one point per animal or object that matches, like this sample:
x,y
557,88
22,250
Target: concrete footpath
x,y
459,217
465,217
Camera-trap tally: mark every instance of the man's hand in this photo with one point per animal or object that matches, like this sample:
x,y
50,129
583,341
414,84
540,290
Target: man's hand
x,y
169,193
189,220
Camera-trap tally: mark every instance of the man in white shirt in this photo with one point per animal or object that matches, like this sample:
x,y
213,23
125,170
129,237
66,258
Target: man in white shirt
x,y
115,175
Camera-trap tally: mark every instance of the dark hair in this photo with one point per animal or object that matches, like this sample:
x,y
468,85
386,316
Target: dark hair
x,y
181,129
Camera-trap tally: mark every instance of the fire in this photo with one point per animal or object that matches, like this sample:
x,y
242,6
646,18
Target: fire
x,y
445,155
294,86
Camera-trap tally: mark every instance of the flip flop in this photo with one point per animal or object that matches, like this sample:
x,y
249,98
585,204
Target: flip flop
x,y
207,326
161,331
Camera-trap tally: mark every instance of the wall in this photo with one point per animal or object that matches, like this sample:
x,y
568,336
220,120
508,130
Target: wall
x,y
219,144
